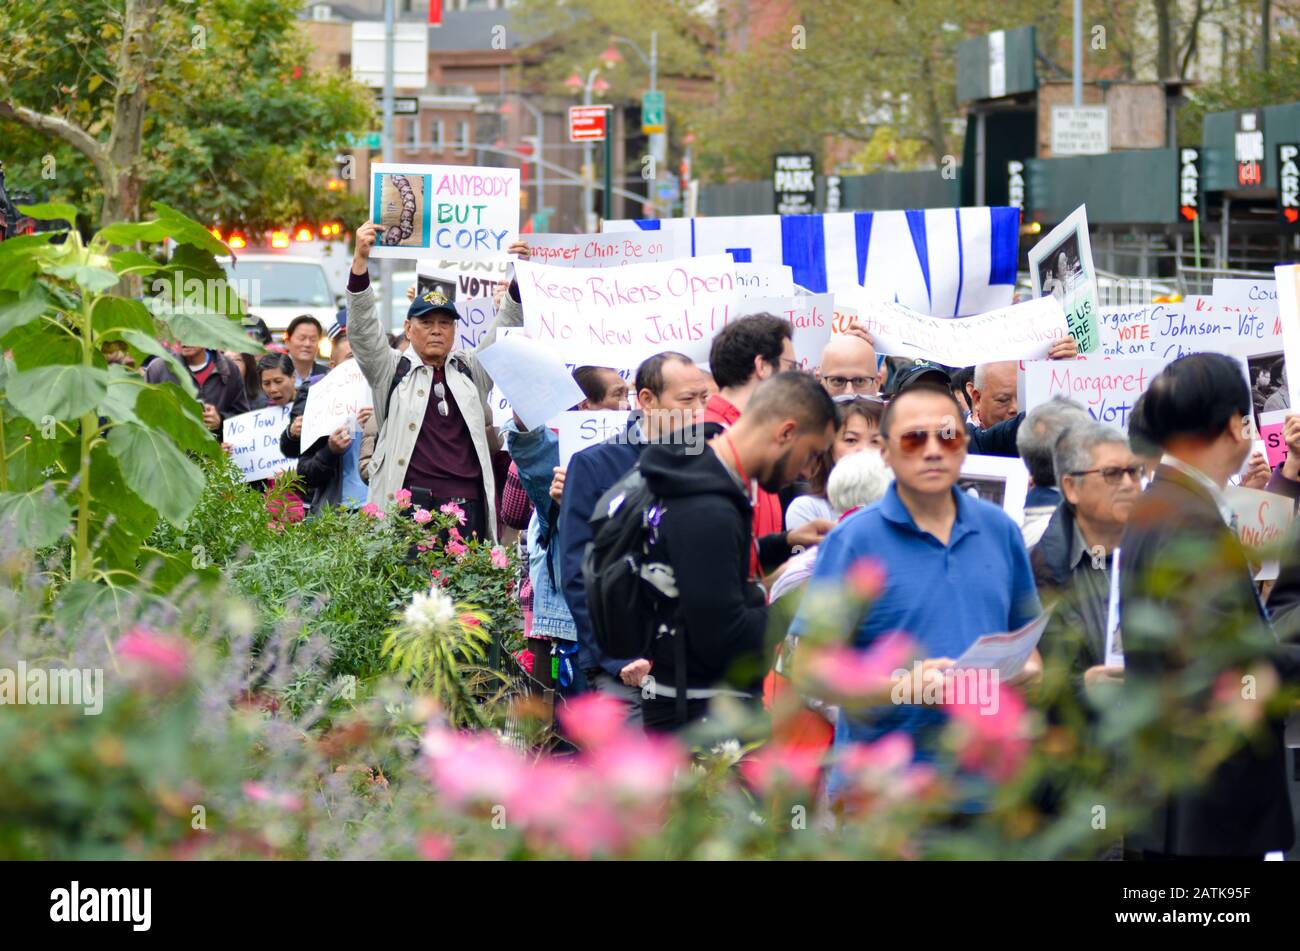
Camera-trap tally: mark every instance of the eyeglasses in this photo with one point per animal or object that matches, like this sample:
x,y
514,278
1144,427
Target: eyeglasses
x,y
440,391
1114,475
845,398
859,382
915,440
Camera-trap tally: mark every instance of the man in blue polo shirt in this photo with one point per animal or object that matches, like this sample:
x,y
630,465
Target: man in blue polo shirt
x,y
955,566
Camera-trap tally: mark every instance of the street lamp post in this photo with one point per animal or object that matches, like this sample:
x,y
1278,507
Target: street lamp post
x,y
658,140
540,119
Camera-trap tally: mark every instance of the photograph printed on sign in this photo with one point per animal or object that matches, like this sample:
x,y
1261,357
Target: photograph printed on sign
x,y
1001,481
459,212
1060,266
1268,391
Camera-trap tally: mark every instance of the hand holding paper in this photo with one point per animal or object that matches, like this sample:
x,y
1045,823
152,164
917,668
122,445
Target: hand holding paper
x,y
533,378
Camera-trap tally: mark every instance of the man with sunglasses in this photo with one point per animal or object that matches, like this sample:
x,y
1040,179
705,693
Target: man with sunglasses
x,y
436,437
1100,479
955,567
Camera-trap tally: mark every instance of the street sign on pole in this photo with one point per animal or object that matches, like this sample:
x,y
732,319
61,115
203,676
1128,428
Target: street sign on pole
x,y
1080,130
588,123
652,113
402,105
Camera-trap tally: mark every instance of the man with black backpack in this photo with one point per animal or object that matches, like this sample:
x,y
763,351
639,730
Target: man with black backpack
x,y
669,571
436,437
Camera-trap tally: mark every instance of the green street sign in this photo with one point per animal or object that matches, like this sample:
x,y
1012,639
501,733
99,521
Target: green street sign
x,y
652,113
365,140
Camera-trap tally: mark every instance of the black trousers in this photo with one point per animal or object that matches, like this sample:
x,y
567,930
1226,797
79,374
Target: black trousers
x,y
474,509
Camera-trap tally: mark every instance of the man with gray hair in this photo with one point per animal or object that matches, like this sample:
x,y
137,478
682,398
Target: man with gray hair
x,y
1100,479
992,393
1035,441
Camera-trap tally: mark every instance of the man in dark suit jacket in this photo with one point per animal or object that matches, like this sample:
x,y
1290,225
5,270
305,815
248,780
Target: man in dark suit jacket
x,y
1190,612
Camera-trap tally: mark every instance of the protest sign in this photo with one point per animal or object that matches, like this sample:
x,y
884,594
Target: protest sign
x,y
1271,432
764,280
810,322
1106,388
461,212
617,317
461,279
254,440
1060,265
1288,312
334,400
1114,642
1002,480
501,410
473,318
843,317
1259,296
532,377
1263,520
579,429
599,250
1169,331
947,262
1020,332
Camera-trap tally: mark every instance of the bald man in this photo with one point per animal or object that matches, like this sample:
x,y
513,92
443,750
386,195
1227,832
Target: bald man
x,y
849,366
993,392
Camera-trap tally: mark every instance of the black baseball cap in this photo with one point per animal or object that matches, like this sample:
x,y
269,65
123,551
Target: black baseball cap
x,y
430,303
922,371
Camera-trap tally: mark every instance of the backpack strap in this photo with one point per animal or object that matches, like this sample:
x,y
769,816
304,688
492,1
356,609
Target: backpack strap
x,y
399,374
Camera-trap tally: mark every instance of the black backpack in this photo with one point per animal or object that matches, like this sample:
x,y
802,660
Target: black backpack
x,y
629,592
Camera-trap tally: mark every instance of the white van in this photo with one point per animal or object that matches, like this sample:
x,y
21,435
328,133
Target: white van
x,y
280,287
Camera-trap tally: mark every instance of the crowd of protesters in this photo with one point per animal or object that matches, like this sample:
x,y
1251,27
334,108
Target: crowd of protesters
x,y
767,481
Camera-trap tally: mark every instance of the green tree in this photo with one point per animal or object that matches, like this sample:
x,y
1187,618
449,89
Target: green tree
x,y
207,107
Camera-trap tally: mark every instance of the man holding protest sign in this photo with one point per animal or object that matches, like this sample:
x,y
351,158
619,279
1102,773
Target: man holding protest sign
x,y
436,437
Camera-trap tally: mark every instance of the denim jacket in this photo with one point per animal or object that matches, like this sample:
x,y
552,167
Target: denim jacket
x,y
536,454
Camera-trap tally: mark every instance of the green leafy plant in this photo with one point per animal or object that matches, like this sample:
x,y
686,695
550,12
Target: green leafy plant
x,y
89,445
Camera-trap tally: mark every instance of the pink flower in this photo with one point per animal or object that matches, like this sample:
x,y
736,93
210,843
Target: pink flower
x,y
889,753
456,548
847,672
526,659
779,765
373,510
499,559
436,574
286,508
433,847
403,498
474,767
992,738
469,620
592,720
866,578
422,515
261,793
451,508
164,659
637,766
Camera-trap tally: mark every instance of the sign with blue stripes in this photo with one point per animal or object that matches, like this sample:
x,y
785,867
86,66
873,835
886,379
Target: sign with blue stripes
x,y
945,262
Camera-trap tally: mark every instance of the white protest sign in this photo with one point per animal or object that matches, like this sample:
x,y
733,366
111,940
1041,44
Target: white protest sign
x,y
1106,388
1263,520
532,377
461,279
1060,266
474,317
612,249
254,440
1002,480
461,212
334,400
1114,641
618,317
764,280
1169,331
1020,332
579,429
810,317
1288,312
1257,295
